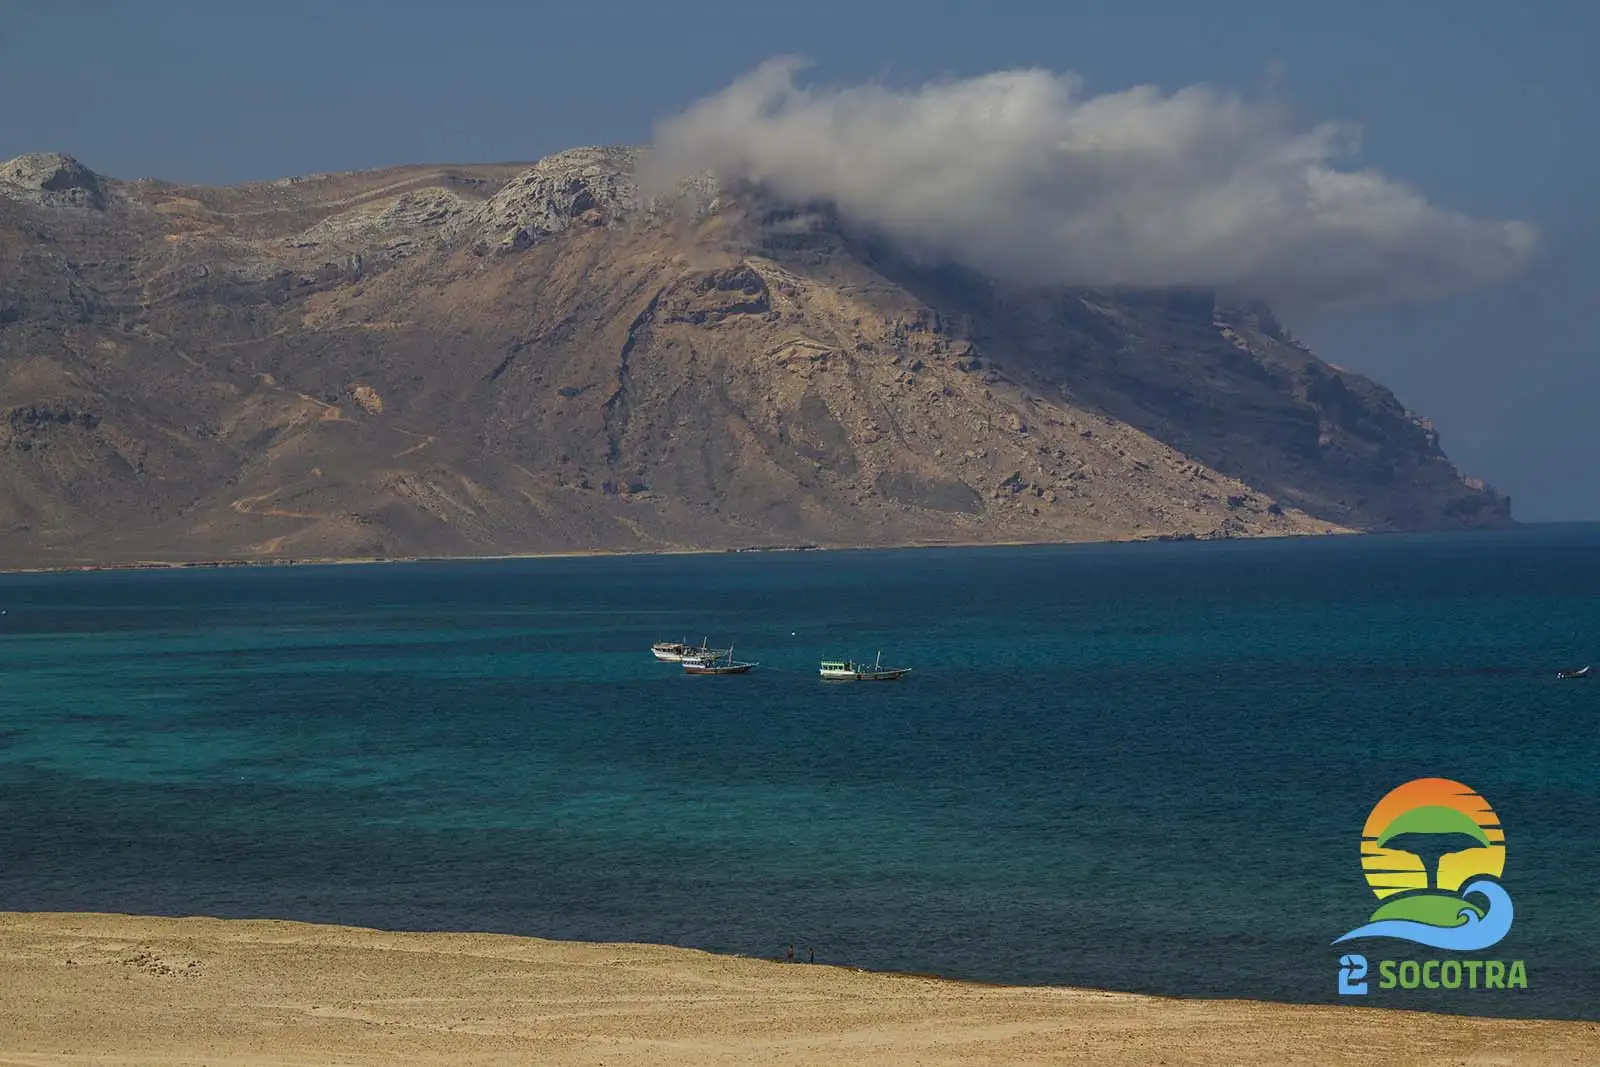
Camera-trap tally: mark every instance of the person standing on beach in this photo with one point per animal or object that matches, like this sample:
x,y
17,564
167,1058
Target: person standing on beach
x,y
791,953
811,955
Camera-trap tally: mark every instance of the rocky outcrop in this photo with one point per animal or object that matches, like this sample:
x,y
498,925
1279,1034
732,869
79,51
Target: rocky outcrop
x,y
709,297
50,179
488,359
583,186
393,229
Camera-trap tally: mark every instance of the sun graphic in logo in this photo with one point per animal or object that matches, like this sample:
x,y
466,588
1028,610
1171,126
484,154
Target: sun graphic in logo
x,y
1430,834
1431,850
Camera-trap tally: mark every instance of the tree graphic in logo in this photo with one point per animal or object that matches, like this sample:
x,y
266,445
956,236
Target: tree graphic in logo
x,y
1433,833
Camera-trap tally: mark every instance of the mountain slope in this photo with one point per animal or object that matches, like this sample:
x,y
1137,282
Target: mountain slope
x,y
514,358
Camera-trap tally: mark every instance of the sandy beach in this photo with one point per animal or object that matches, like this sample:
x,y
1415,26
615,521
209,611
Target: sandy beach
x,y
112,990
82,566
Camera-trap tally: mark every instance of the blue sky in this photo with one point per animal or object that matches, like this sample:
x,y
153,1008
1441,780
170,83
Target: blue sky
x,y
1488,108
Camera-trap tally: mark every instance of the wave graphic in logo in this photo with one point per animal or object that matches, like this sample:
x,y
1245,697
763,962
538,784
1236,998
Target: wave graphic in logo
x,y
1476,928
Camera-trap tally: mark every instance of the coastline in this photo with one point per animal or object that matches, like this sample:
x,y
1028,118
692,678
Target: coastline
x,y
339,561
122,989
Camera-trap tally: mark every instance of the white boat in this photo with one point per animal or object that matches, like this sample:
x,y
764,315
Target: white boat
x,y
721,663
1582,672
678,651
850,671
669,651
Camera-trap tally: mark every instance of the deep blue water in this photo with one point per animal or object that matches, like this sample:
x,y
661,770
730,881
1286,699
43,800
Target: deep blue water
x,y
1139,767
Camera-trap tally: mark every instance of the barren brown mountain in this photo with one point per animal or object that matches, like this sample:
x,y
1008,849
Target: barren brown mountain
x,y
476,360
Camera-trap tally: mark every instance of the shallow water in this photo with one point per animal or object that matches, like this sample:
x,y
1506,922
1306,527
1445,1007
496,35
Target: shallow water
x,y
1140,767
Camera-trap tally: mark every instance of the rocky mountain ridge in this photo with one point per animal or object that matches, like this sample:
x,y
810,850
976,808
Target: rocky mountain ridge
x,y
486,359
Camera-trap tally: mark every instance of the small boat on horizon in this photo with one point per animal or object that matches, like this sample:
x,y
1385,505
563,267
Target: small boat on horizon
x,y
720,663
851,671
1582,672
678,651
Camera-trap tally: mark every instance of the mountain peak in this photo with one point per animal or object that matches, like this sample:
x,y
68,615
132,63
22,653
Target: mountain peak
x,y
51,178
593,185
335,368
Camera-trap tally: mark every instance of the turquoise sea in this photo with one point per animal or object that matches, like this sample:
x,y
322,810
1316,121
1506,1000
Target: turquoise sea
x,y
1140,767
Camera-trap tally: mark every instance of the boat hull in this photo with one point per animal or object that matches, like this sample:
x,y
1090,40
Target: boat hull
x,y
690,667
892,675
685,654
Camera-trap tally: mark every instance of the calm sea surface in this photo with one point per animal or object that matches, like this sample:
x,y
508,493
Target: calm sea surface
x,y
1140,767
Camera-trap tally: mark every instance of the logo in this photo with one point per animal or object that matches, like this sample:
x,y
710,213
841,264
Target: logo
x,y
1433,852
1432,849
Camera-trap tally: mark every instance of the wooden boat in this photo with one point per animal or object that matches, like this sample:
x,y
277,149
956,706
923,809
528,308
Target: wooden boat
x,y
850,671
720,663
678,651
1582,672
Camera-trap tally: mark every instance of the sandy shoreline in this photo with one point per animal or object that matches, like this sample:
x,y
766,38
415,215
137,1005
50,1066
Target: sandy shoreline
x,y
314,561
123,990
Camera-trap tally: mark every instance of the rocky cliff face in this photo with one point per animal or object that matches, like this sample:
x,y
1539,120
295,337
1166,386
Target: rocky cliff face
x,y
512,358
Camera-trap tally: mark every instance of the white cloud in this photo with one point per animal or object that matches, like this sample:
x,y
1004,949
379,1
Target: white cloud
x,y
1021,175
